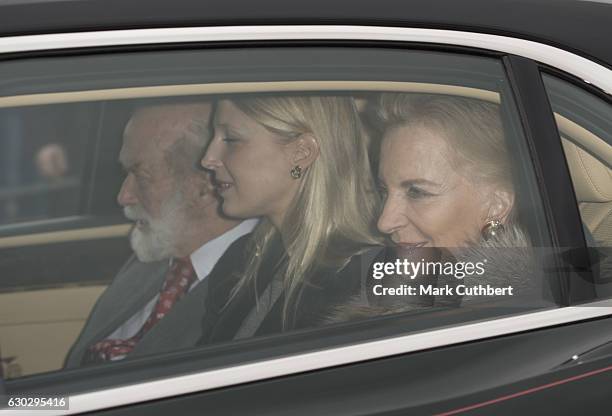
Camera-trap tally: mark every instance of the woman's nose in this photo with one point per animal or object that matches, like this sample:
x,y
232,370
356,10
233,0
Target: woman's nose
x,y
212,158
392,218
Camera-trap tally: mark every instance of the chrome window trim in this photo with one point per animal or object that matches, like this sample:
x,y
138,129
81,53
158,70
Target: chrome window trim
x,y
589,71
331,357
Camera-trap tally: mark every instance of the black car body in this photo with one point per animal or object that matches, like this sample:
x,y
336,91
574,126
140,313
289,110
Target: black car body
x,y
537,361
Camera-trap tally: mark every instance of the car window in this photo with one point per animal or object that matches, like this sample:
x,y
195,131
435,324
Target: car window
x,y
584,121
248,196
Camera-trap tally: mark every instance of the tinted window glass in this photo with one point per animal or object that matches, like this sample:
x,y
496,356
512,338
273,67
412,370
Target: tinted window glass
x,y
270,194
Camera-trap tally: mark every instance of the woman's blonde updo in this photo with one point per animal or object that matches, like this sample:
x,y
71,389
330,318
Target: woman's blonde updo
x,y
472,128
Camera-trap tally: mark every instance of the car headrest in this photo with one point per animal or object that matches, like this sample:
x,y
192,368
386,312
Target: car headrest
x,y
592,178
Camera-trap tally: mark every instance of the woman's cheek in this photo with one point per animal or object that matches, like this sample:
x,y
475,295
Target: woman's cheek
x,y
424,209
432,217
232,165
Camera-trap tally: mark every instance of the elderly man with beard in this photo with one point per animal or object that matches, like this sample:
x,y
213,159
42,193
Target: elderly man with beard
x,y
156,302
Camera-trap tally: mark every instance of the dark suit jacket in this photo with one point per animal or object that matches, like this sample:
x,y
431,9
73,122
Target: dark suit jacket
x,y
133,287
326,289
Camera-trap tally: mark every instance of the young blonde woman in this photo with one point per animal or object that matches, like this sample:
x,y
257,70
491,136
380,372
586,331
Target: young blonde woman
x,y
301,165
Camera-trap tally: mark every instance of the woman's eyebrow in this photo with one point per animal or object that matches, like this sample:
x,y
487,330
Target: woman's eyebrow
x,y
233,130
409,182
228,128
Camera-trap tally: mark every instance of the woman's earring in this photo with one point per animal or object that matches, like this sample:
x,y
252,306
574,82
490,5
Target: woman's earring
x,y
491,229
296,172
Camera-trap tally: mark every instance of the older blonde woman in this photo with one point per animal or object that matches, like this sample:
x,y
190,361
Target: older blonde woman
x,y
444,171
301,164
448,194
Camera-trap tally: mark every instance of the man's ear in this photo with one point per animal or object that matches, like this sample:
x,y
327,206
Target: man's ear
x,y
305,150
500,205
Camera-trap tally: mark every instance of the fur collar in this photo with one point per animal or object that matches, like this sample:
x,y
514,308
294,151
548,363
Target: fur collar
x,y
509,260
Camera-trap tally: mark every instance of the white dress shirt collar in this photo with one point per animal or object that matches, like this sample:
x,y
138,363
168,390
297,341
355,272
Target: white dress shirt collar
x,y
205,258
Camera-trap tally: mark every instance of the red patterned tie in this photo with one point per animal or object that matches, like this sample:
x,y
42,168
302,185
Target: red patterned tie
x,y
179,279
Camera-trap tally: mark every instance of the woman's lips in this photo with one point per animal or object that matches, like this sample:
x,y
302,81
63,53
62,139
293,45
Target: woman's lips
x,y
223,186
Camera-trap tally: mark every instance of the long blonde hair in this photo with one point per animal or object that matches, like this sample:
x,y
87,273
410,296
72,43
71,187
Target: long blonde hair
x,y
332,216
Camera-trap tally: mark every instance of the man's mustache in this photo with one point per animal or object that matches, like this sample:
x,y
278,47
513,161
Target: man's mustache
x,y
135,213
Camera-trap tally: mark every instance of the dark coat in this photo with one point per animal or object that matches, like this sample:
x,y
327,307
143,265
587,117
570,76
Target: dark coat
x,y
133,288
317,296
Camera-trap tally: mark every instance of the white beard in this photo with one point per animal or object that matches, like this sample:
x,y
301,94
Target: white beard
x,y
157,239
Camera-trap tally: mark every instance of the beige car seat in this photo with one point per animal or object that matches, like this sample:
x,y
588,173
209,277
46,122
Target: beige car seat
x,y
592,180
